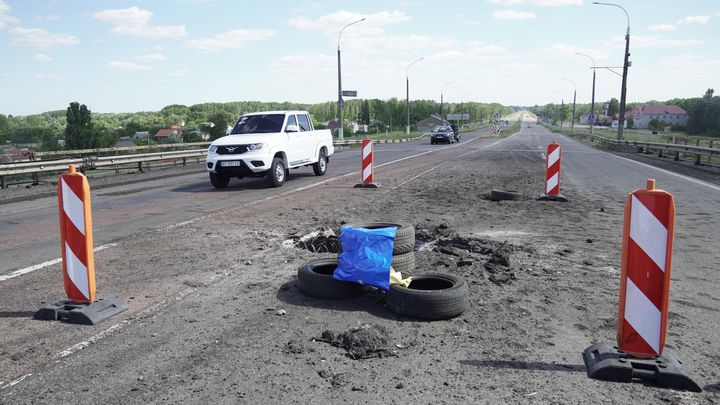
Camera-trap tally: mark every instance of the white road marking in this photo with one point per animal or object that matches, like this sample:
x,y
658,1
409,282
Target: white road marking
x,y
42,265
15,382
86,343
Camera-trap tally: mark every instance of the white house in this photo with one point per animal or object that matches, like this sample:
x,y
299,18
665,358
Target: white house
x,y
669,114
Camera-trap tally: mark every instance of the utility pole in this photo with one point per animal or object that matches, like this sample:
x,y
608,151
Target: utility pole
x,y
626,65
341,102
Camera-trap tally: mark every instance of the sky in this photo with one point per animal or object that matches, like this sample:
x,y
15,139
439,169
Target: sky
x,y
128,56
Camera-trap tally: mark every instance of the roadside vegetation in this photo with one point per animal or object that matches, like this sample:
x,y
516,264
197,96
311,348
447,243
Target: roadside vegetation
x,y
78,127
703,113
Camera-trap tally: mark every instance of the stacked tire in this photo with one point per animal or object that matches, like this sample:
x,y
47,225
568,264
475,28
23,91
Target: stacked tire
x,y
430,296
403,259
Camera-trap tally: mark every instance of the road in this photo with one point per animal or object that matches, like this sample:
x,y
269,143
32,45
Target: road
x,y
207,274
29,236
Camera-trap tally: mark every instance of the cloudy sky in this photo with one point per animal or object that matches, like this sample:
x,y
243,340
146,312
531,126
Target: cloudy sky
x,y
125,56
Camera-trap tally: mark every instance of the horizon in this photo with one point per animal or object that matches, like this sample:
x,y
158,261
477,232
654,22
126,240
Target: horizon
x,y
134,57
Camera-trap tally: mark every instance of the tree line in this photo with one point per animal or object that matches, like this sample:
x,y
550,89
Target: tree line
x,y
703,112
81,129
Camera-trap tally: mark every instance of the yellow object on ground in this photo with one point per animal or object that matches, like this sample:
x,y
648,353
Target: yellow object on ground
x,y
397,278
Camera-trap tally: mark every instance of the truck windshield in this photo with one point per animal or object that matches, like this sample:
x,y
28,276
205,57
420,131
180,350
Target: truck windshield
x,y
259,124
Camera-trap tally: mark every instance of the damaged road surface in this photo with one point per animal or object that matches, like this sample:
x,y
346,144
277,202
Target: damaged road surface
x,y
215,314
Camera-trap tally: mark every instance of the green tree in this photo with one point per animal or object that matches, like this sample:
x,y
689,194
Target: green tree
x,y
613,107
79,129
365,112
656,125
221,120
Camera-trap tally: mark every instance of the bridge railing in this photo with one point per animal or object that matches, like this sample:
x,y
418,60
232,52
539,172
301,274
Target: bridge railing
x,y
114,158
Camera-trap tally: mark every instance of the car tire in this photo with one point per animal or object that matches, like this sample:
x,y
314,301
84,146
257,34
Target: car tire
x,y
404,238
503,195
315,279
404,263
431,296
277,173
219,180
320,167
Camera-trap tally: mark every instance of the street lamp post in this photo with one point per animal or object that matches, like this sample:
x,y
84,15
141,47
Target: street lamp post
x,y
407,90
626,65
562,109
592,102
341,103
462,108
442,120
572,121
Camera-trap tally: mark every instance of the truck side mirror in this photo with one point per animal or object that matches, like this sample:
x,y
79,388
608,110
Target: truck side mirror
x,y
291,128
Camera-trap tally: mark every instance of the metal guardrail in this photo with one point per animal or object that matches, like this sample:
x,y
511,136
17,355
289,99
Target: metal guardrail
x,y
651,147
93,162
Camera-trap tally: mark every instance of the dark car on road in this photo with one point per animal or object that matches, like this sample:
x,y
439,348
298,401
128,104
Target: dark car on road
x,y
443,134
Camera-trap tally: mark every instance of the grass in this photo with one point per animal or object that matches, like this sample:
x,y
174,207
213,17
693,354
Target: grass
x,y
509,131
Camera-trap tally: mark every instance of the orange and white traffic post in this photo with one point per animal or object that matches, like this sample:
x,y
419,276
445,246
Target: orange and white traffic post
x,y
78,263
646,265
76,241
552,174
367,172
644,296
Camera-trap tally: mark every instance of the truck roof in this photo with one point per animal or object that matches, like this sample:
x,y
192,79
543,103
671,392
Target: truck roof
x,y
278,112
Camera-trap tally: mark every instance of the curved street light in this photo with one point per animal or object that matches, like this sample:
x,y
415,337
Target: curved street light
x,y
572,122
626,65
442,89
592,102
341,104
407,90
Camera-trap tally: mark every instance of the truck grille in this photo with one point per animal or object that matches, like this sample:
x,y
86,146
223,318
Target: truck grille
x,y
231,149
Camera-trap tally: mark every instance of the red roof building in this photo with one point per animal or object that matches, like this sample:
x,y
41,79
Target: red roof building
x,y
669,114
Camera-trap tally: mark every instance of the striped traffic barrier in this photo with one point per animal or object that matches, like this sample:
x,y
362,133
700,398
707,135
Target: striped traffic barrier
x,y
552,174
645,277
76,239
78,264
552,169
643,304
367,172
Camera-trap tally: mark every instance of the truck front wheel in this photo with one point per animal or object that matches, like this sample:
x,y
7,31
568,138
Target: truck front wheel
x,y
276,174
218,180
321,166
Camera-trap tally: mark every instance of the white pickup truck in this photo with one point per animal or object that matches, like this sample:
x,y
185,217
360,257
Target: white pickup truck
x,y
269,144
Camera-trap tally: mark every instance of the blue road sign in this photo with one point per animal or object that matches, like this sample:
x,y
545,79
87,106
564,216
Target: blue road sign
x,y
496,115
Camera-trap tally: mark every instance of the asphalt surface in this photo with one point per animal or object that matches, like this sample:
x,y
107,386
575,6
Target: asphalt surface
x,y
29,236
206,275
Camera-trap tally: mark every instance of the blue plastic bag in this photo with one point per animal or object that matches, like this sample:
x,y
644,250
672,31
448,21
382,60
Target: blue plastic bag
x,y
366,256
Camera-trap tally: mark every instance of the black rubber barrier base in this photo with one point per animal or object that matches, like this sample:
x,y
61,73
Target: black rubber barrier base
x,y
558,198
84,314
365,185
605,362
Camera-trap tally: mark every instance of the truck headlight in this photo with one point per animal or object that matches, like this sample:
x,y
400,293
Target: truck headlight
x,y
255,146
212,149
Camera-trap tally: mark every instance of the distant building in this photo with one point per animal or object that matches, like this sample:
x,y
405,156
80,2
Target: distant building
x,y
124,143
669,114
169,135
141,135
429,123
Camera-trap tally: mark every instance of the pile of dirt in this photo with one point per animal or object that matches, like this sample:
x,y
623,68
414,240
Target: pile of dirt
x,y
367,341
466,250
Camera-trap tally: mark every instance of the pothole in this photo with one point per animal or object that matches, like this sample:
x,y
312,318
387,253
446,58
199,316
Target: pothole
x,y
323,240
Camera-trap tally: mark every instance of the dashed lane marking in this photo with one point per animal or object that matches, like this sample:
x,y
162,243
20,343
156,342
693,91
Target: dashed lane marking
x,y
42,265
